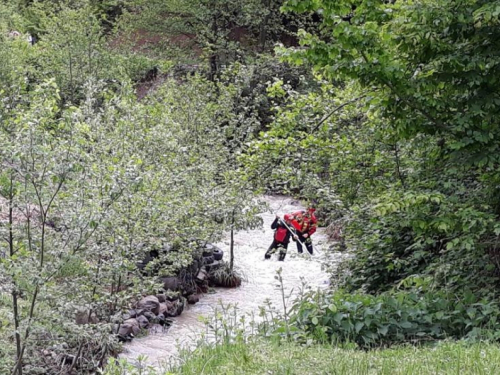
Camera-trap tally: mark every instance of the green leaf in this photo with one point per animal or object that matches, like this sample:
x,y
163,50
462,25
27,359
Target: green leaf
x,y
358,326
406,325
383,330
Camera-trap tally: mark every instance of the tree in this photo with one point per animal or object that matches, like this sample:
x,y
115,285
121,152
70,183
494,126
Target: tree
x,y
424,85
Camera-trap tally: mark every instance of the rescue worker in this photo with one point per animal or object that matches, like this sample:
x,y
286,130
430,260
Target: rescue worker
x,y
305,224
281,238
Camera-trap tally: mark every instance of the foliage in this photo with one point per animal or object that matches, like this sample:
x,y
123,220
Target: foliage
x,y
403,49
71,47
289,358
396,138
418,232
244,90
86,190
395,317
319,146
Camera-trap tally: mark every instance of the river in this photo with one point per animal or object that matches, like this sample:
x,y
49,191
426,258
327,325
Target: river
x,y
161,347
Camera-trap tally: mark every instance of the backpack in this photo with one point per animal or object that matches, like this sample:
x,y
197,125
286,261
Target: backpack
x,y
280,234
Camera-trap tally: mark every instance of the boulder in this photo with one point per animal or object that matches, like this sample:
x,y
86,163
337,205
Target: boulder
x,y
193,298
143,321
208,250
173,297
189,288
214,265
171,283
203,287
149,316
168,322
160,319
129,327
133,313
164,321
175,308
218,254
150,303
161,297
164,306
203,274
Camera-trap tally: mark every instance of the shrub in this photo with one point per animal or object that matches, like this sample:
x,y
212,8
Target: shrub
x,y
226,277
394,317
443,235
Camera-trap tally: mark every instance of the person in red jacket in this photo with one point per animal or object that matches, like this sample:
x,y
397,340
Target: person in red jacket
x,y
305,224
281,238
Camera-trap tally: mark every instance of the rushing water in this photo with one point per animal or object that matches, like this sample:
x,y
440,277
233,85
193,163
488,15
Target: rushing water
x,y
161,347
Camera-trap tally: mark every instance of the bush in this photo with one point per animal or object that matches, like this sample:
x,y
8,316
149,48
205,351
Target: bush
x,y
438,234
395,317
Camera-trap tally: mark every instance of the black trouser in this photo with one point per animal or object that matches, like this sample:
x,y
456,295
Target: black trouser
x,y
274,247
306,241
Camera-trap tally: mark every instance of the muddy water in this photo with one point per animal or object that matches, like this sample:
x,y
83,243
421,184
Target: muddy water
x,y
160,348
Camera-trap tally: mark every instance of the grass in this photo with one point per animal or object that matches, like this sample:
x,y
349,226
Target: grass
x,y
264,357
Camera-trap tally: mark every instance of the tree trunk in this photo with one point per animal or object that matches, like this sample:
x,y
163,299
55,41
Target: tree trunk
x,y
231,246
213,67
398,166
263,26
213,56
15,304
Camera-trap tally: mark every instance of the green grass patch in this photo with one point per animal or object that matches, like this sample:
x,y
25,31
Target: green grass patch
x,y
264,357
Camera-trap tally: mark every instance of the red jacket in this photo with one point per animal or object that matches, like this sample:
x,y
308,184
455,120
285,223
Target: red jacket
x,y
281,232
303,221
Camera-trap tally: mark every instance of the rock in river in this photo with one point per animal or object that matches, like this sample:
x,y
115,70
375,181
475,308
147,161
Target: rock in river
x,y
150,303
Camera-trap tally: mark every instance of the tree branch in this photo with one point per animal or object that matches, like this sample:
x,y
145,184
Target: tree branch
x,y
335,110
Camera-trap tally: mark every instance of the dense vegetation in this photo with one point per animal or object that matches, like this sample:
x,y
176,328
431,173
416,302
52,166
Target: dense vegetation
x,y
93,180
383,112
